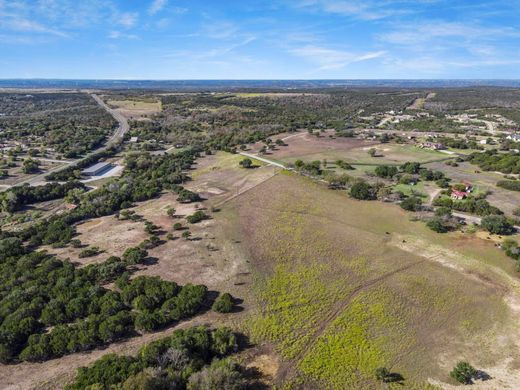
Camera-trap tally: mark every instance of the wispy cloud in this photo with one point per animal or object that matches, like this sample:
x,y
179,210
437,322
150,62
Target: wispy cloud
x,y
24,25
121,35
219,29
327,58
156,6
420,32
127,19
363,10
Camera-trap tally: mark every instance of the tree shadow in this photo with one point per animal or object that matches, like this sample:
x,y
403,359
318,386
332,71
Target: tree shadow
x,y
482,376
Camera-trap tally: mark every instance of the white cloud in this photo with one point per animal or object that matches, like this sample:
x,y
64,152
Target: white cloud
x,y
364,10
327,58
24,25
156,6
421,32
120,35
127,19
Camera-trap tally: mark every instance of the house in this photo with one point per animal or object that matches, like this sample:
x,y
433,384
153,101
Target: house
x,y
514,137
432,145
458,195
133,140
97,169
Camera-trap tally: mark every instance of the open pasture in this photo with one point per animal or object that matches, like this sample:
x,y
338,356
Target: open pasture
x,y
343,287
307,147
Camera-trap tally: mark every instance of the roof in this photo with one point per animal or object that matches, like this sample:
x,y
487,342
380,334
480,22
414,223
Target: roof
x,y
458,193
96,167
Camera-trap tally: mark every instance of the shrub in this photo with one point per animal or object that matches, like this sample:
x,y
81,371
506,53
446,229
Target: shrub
x,y
362,191
134,255
437,225
509,185
219,375
497,224
246,163
223,304
197,216
412,203
89,252
385,171
463,372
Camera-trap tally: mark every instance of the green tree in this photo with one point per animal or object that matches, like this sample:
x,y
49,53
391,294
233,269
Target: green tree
x,y
463,372
223,304
246,163
497,224
362,191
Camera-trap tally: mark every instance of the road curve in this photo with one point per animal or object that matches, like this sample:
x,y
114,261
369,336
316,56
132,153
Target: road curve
x,y
115,138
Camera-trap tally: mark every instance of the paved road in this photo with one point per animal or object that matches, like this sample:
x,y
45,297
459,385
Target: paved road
x,y
114,139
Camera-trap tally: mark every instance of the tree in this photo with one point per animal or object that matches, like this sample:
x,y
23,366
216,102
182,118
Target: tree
x,y
30,166
362,191
411,167
497,224
222,374
412,203
177,226
186,234
246,163
197,216
437,225
381,374
463,372
223,304
385,171
171,212
134,255
372,152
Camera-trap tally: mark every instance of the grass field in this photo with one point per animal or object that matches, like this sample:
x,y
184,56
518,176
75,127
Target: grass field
x,y
136,109
306,147
343,287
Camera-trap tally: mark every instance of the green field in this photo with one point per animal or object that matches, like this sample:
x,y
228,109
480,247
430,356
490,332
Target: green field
x,y
387,154
343,287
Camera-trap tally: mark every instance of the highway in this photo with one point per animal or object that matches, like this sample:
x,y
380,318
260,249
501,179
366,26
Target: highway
x,y
115,138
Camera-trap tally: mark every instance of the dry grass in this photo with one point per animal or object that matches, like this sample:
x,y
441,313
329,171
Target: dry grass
x,y
338,296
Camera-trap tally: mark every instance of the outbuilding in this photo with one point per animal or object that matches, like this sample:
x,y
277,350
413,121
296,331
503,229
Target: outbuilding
x,y
97,169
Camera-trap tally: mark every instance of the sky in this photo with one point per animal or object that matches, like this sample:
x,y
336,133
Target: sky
x,y
254,39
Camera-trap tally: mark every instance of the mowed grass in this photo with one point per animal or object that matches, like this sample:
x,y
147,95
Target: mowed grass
x,y
339,293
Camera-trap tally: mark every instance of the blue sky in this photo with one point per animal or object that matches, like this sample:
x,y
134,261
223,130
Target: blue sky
x,y
278,39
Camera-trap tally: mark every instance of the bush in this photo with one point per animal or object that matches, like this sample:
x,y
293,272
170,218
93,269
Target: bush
x,y
509,185
223,304
412,203
89,252
196,217
385,171
362,191
497,224
220,375
246,163
134,255
463,372
437,225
